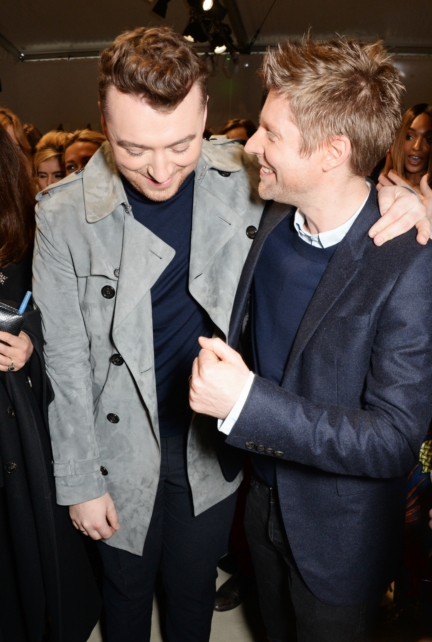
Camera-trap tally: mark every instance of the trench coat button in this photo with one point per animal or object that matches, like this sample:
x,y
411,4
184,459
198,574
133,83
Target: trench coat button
x,y
10,467
112,418
103,470
251,231
45,192
117,359
269,451
224,174
108,292
260,448
11,411
117,272
250,445
278,453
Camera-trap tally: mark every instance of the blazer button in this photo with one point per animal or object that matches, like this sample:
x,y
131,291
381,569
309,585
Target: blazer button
x,y
108,292
103,470
250,445
251,231
11,411
117,360
224,174
112,418
10,467
260,448
269,451
278,453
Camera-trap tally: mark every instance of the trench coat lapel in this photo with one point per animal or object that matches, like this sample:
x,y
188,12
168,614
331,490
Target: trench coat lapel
x,y
274,213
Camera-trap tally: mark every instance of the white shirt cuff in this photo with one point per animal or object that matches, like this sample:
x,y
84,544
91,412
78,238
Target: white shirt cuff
x,y
227,424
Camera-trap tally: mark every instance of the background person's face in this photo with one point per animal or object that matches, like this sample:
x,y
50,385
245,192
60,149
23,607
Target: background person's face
x,y
154,150
418,145
78,155
49,171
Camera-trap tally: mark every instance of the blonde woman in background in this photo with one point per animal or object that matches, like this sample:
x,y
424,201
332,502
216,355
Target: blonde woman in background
x,y
80,148
48,159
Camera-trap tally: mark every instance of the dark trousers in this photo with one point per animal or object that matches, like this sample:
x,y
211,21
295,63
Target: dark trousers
x,y
184,548
290,611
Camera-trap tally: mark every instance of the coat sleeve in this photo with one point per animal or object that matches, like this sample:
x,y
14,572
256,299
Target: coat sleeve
x,y
380,439
67,354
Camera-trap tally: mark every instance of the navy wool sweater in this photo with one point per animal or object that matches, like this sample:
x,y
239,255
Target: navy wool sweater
x,y
286,277
178,320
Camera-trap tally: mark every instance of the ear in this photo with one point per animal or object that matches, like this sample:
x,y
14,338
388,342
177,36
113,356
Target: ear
x,y
336,152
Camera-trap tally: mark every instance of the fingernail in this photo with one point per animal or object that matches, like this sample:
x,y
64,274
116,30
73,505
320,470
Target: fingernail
x,y
379,240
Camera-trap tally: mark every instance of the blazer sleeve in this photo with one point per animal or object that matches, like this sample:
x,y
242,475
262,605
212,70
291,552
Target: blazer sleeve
x,y
381,438
67,355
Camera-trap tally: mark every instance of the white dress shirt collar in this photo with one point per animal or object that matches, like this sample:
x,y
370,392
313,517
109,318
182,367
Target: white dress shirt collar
x,y
326,239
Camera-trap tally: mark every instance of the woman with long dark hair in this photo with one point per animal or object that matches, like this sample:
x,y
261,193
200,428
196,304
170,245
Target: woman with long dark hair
x,y
410,155
46,585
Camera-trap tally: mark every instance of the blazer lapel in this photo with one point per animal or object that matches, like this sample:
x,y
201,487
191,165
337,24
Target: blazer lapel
x,y
341,270
273,214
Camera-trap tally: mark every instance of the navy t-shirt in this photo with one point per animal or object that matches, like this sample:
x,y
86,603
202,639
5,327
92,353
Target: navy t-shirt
x,y
178,320
286,277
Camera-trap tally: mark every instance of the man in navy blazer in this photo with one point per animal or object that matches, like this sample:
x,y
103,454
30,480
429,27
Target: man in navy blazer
x,y
336,397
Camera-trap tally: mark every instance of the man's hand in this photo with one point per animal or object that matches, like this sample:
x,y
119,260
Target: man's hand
x,y
218,377
401,210
96,518
17,351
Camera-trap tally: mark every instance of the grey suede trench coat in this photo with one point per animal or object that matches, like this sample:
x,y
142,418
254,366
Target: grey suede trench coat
x,y
94,266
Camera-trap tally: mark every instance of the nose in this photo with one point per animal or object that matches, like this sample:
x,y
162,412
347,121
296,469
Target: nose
x,y
254,144
160,168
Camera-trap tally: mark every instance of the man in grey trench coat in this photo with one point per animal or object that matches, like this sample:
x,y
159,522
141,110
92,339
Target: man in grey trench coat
x,y
105,282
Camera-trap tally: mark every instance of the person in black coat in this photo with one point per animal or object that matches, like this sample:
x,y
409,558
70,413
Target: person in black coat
x,y
46,582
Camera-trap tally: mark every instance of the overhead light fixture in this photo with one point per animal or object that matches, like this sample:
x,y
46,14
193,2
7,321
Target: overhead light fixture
x,y
160,8
220,49
221,39
207,5
194,32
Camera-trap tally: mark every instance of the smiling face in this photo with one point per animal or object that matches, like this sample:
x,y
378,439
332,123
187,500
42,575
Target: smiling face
x,y
418,144
48,172
155,150
285,175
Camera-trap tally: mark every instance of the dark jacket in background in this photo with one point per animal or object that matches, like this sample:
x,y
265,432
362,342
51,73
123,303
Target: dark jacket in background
x,y
44,570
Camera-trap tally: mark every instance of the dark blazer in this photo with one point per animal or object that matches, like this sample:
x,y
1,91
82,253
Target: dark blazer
x,y
353,408
44,570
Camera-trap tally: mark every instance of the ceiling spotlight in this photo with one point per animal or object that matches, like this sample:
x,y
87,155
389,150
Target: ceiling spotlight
x,y
207,5
221,38
160,8
220,49
194,32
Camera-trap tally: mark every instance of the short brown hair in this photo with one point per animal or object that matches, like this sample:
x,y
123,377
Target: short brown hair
x,y
155,63
339,87
397,151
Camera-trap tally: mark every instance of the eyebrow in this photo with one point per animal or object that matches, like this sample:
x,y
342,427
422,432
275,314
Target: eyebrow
x,y
127,143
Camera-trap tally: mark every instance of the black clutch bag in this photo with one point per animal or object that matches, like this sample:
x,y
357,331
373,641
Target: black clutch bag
x,y
10,320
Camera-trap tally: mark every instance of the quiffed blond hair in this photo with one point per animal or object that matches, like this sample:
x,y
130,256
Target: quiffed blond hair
x,y
154,63
339,87
51,145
